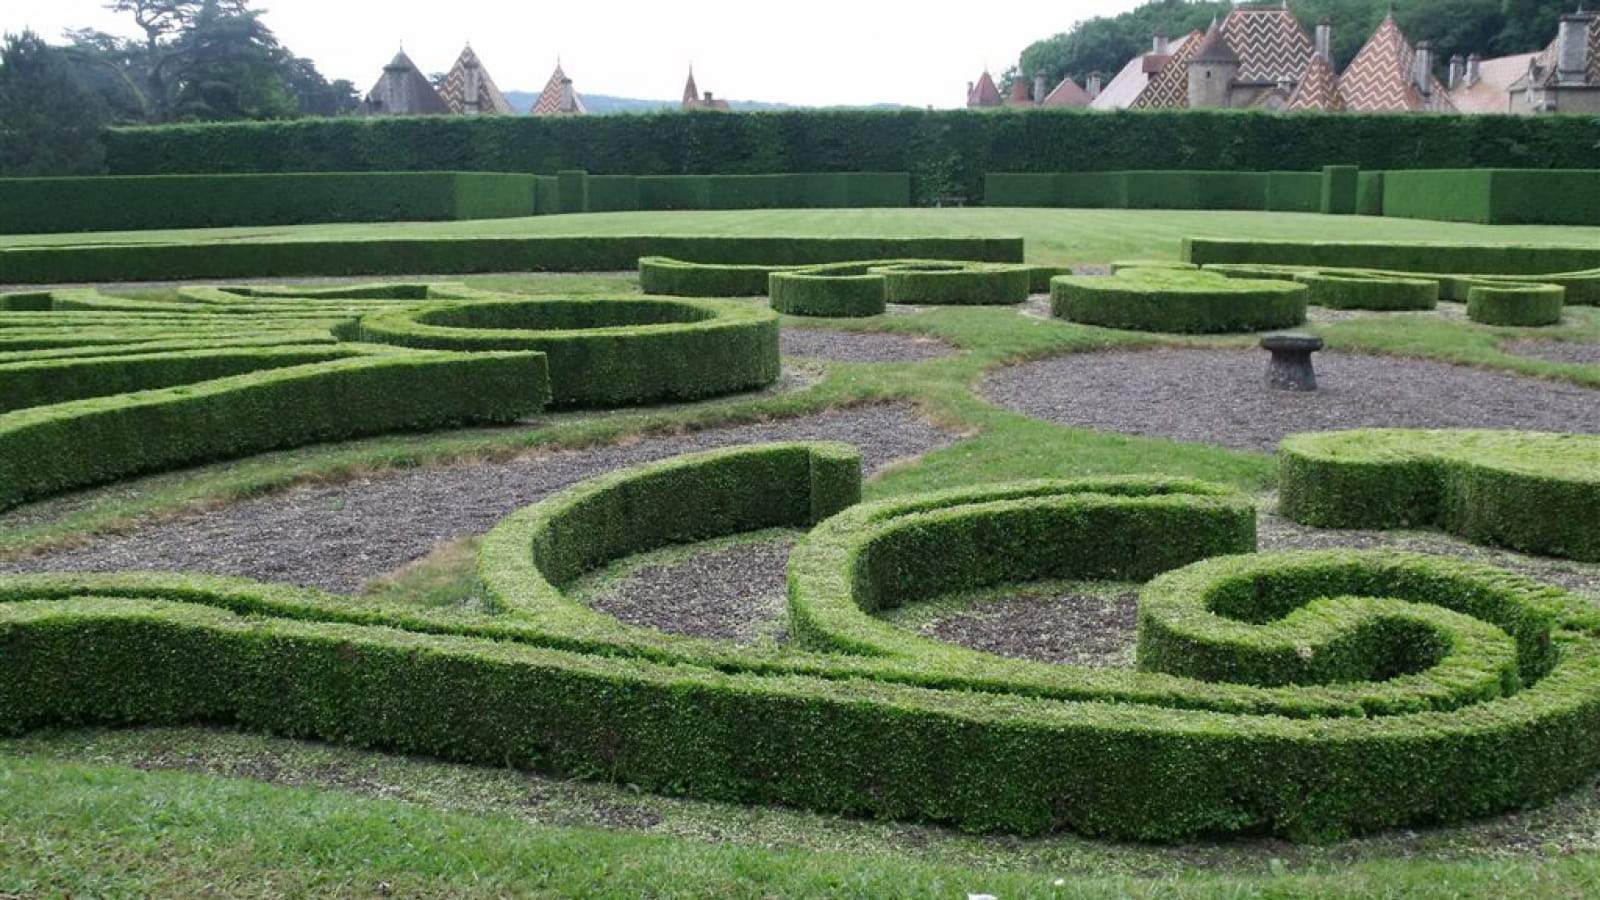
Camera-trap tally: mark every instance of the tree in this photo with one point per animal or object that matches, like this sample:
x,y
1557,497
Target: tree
x,y
49,123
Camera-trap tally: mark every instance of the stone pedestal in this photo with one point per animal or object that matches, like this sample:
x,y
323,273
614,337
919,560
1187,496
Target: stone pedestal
x,y
1290,368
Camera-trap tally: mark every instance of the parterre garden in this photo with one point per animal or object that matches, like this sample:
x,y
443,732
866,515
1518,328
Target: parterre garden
x,y
1314,695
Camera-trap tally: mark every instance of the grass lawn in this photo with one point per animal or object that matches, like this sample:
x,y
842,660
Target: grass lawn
x,y
1054,236
188,811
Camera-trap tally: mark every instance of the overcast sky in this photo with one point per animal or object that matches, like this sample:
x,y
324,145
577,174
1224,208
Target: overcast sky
x,y
819,52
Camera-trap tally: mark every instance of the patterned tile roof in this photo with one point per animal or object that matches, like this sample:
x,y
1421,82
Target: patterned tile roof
x,y
467,74
1130,81
1271,45
984,93
1169,89
1067,93
1318,89
558,98
1379,79
403,90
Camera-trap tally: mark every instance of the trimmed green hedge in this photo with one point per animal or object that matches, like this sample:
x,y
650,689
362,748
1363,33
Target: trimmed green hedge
x,y
1448,258
1286,191
606,351
1509,303
1176,300
1529,491
676,278
955,283
1368,291
812,190
1496,196
945,151
849,290
49,449
162,262
1361,690
47,205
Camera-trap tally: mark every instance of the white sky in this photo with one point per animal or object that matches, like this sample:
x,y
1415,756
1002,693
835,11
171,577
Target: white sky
x,y
821,52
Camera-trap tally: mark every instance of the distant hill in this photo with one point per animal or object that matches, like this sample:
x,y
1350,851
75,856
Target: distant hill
x,y
605,105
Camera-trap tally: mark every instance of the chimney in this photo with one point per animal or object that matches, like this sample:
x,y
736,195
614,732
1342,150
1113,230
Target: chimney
x,y
1038,88
1472,69
970,87
709,99
1458,71
1325,39
472,90
1572,48
566,96
1422,77
1159,46
1094,85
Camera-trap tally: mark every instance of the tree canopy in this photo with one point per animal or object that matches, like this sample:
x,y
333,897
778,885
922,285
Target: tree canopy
x,y
50,122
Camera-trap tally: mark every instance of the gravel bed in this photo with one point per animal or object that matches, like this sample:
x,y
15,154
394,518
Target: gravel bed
x,y
860,346
338,536
1217,396
731,593
1050,627
1555,351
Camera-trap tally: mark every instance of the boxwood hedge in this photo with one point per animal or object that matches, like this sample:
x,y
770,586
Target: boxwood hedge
x,y
843,290
1512,303
1530,491
606,351
1178,300
1358,690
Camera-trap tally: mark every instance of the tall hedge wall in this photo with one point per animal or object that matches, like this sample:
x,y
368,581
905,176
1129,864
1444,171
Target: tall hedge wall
x,y
946,152
1496,196
1282,191
49,205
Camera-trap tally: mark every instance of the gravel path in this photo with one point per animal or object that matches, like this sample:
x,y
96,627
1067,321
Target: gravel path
x,y
860,346
1555,351
1050,627
1217,396
338,536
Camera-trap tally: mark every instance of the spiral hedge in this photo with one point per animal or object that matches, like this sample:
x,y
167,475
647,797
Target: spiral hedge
x,y
605,351
1531,491
96,388
1177,300
1306,694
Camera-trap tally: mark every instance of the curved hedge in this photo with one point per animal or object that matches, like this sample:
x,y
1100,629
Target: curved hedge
x,y
1374,689
1510,303
955,283
1361,291
1530,491
1176,300
845,290
606,351
677,278
94,389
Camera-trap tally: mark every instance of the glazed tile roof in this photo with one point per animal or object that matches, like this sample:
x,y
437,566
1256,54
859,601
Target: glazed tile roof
x,y
553,99
1318,89
454,89
1271,45
1169,89
1122,90
1379,79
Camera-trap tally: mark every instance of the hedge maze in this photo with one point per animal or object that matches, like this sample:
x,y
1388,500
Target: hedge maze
x,y
96,388
1311,695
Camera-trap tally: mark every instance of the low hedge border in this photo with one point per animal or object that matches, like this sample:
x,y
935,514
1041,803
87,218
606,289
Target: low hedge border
x,y
440,256
676,278
1375,292
606,351
1442,258
937,283
1521,305
847,290
48,449
913,281
1531,491
852,736
1173,300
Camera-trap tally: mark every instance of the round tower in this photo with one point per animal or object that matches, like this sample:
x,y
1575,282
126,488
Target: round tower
x,y
1212,70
